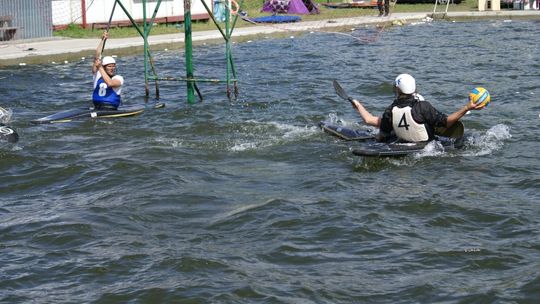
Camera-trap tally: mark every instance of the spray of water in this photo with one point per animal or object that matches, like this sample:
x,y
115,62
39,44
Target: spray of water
x,y
5,115
492,140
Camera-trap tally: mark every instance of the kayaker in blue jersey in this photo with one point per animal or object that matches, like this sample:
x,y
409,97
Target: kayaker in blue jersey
x,y
107,85
410,118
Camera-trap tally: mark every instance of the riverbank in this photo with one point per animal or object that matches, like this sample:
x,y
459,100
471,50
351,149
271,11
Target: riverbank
x,y
57,49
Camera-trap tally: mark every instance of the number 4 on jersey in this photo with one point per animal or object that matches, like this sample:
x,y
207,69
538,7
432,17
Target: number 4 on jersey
x,y
403,123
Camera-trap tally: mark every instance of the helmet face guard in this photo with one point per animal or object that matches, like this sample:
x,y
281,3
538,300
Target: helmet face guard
x,y
405,83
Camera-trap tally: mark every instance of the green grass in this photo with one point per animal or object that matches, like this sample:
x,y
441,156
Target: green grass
x,y
252,7
75,31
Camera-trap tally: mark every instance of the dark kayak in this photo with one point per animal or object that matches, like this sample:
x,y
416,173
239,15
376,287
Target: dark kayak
x,y
394,149
89,113
370,147
346,133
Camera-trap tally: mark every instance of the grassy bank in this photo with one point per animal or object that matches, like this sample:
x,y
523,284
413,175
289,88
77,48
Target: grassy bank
x,y
253,7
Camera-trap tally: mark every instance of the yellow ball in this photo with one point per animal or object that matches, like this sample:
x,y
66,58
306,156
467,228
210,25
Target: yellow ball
x,y
480,96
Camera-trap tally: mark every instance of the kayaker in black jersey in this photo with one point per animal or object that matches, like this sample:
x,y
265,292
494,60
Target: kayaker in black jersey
x,y
410,118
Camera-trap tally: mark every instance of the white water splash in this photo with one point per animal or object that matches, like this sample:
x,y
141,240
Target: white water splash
x,y
265,135
434,148
484,144
334,119
248,146
476,145
252,135
5,115
172,142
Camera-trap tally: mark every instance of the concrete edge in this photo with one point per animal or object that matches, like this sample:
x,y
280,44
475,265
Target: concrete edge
x,y
131,46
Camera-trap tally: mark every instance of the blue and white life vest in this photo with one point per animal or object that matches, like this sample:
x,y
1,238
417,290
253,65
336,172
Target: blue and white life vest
x,y
105,94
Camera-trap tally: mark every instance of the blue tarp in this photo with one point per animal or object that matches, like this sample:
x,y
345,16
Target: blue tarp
x,y
276,19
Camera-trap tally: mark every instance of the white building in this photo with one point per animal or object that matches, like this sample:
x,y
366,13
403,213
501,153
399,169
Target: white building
x,y
89,13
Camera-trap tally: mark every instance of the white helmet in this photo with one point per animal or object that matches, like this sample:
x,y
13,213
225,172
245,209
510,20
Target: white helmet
x,y
405,83
107,60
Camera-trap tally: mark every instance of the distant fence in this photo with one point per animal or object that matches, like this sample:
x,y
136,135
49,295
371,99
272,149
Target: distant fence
x,y
89,13
25,19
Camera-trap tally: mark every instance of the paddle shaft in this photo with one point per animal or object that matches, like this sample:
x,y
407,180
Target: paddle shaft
x,y
109,25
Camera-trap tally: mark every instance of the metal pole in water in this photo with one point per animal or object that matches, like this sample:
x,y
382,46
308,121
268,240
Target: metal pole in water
x,y
145,38
228,47
189,52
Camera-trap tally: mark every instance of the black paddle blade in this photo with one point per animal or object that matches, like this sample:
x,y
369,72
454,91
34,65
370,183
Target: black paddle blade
x,y
341,93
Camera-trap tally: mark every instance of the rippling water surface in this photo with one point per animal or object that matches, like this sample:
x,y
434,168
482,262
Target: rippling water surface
x,y
249,202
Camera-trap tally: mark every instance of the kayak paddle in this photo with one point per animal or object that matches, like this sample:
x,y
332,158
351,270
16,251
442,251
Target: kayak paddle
x,y
341,93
